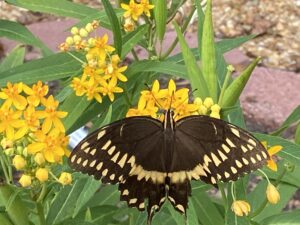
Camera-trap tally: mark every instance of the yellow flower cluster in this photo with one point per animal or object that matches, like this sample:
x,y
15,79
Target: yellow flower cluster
x,y
272,151
153,101
31,130
101,71
134,11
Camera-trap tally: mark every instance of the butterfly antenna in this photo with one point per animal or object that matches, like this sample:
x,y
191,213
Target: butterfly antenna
x,y
185,100
149,89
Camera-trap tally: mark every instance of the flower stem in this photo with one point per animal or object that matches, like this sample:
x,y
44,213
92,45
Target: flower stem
x,y
4,168
265,202
184,27
42,194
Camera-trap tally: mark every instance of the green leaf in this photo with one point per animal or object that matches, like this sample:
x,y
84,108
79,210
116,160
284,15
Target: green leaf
x,y
234,90
103,214
107,195
65,201
292,118
207,212
194,73
131,39
208,53
14,58
75,106
255,199
297,134
288,218
20,33
86,194
200,14
290,150
160,13
49,68
226,45
116,29
56,7
17,210
192,217
104,119
4,220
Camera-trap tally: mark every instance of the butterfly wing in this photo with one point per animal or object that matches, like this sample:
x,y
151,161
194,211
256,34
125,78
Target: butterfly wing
x,y
213,150
128,152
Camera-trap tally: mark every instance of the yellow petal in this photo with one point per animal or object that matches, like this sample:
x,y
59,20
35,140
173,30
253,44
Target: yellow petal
x,y
27,90
272,165
264,143
47,125
49,156
20,102
59,125
36,147
172,87
274,149
61,114
3,95
21,132
10,133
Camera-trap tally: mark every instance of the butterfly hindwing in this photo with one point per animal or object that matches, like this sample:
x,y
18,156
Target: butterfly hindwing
x,y
214,150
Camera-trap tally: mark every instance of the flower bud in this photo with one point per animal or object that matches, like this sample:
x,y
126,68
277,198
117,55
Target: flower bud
x,y
198,101
129,25
208,102
83,32
19,162
39,158
5,143
65,178
273,195
240,208
89,27
91,42
69,40
215,108
25,180
19,150
77,38
215,115
41,174
74,30
95,24
202,110
25,152
9,151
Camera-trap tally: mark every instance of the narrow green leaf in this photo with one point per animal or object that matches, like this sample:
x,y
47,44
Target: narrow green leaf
x,y
56,7
226,45
177,217
17,212
200,15
49,68
194,73
287,218
64,202
14,58
192,217
208,53
292,118
104,119
160,13
207,212
103,214
234,90
297,134
290,151
86,194
131,39
4,220
107,195
20,33
115,25
75,106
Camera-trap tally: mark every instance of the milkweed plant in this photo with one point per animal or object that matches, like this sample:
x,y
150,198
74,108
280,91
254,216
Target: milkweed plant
x,y
101,78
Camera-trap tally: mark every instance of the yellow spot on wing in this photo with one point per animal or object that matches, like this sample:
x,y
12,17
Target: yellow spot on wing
x,y
93,163
115,158
222,155
107,144
101,134
215,159
230,143
99,166
233,170
93,152
235,132
226,148
122,161
111,150
84,145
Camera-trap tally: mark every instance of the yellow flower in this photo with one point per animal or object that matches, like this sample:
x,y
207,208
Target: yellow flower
x,y
39,158
92,74
113,71
48,144
146,7
6,143
240,208
65,178
9,120
273,195
272,151
133,10
11,94
31,118
42,174
100,50
25,180
36,93
129,25
93,91
78,86
208,102
19,162
109,89
143,110
51,115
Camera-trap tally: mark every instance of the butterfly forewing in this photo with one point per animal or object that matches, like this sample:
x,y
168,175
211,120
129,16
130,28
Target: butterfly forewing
x,y
215,150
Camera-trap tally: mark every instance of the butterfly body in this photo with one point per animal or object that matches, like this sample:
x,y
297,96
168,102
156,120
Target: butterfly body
x,y
153,161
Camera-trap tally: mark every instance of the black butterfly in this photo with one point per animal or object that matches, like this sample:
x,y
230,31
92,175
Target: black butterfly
x,y
154,161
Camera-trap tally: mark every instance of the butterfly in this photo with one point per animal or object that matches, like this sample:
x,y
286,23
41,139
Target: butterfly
x,y
154,161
